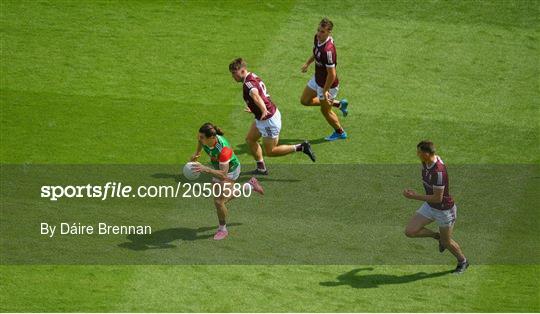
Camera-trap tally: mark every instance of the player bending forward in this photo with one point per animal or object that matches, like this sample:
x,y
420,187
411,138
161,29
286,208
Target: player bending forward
x,y
267,119
226,168
438,205
323,87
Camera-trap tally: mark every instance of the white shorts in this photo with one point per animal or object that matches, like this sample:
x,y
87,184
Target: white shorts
x,y
444,218
270,128
231,175
313,85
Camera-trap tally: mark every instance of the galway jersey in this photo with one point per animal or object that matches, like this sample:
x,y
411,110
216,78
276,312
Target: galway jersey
x,y
222,153
251,82
325,57
434,176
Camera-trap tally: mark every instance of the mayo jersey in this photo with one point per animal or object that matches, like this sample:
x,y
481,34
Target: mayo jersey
x,y
222,153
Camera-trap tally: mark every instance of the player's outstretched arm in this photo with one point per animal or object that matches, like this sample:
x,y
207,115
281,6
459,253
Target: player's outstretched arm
x,y
220,174
197,154
436,197
307,64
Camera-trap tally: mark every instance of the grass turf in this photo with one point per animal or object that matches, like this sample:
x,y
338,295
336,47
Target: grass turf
x,y
270,288
130,82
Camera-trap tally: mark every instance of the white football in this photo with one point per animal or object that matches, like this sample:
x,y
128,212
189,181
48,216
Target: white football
x,y
188,171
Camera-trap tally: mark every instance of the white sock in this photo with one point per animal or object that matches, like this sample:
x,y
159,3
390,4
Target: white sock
x,y
222,228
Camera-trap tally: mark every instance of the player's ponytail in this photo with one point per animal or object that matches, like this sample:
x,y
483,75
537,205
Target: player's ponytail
x,y
210,130
218,130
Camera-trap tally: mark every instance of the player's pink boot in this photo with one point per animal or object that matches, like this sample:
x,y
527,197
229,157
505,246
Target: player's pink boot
x,y
221,234
257,187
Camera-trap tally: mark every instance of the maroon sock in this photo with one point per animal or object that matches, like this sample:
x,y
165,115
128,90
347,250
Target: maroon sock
x,y
261,165
298,147
339,131
336,104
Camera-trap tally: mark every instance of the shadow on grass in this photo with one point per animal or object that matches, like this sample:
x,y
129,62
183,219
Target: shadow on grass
x,y
175,177
244,175
162,239
264,178
243,148
354,280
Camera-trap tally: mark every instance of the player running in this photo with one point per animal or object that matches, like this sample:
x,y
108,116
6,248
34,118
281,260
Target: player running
x,y
267,119
438,205
323,87
226,168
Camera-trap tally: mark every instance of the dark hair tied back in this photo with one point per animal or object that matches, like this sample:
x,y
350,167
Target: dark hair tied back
x,y
210,130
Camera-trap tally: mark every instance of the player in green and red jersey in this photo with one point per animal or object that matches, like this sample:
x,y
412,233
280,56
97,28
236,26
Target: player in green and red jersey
x,y
225,168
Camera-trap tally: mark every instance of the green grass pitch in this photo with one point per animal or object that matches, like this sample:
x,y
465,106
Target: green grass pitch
x,y
107,82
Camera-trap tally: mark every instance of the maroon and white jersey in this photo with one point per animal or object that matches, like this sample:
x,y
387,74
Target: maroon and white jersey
x,y
435,176
325,57
251,82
